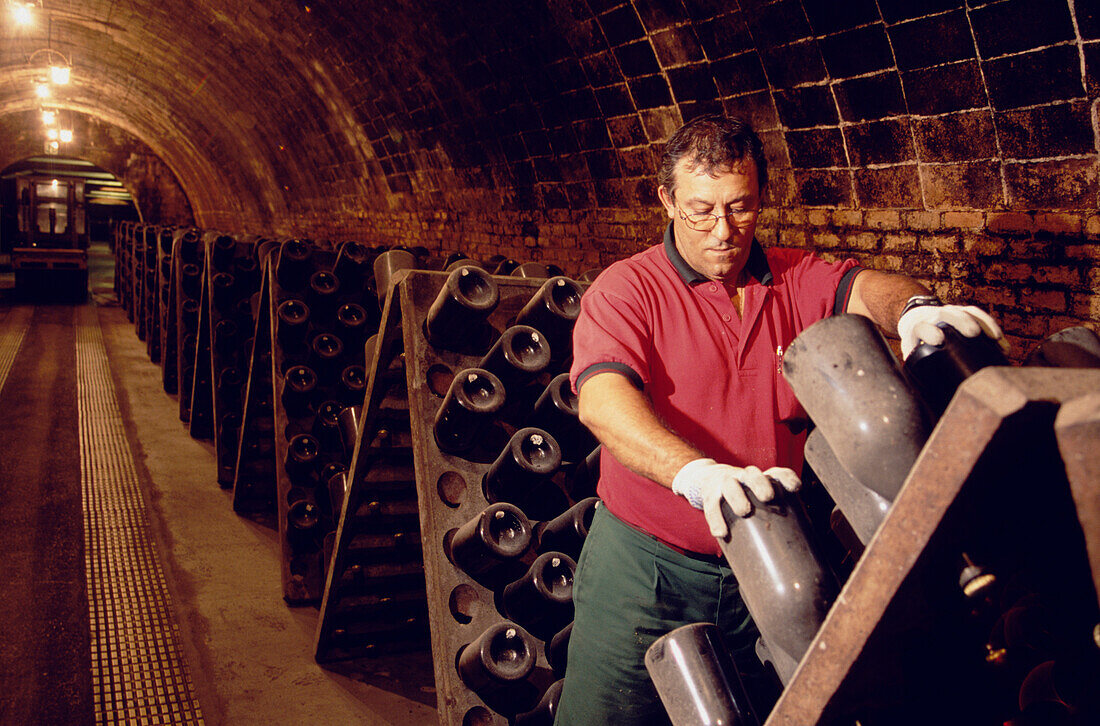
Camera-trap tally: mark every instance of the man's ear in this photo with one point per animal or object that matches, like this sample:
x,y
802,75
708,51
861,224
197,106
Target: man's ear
x,y
666,200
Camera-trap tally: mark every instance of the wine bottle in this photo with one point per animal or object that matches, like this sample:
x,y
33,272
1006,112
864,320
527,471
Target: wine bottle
x,y
351,264
293,322
557,650
517,357
542,714
566,532
324,289
937,371
326,352
353,385
491,543
542,600
552,311
303,524
521,474
696,678
783,581
191,280
555,411
472,399
504,654
326,426
293,268
224,292
348,420
457,315
226,335
247,272
189,314
299,383
386,267
221,253
303,453
351,325
230,384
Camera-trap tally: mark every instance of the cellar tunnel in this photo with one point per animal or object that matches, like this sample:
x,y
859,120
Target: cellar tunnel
x,y
954,141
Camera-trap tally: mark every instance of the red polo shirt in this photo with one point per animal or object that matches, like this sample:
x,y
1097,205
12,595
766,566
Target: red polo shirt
x,y
713,376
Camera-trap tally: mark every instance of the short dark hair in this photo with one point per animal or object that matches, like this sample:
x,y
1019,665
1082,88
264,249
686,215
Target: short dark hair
x,y
713,141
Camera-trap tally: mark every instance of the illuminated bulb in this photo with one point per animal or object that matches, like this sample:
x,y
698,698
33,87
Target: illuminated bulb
x,y
49,117
59,75
53,183
22,13
42,90
52,134
66,135
54,146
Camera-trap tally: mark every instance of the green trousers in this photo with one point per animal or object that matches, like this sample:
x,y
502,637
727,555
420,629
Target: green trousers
x,y
630,590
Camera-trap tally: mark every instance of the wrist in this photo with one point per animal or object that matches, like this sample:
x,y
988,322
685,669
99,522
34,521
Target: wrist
x,y
918,301
686,483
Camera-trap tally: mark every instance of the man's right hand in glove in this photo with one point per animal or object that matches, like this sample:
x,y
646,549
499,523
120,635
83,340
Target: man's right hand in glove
x,y
705,483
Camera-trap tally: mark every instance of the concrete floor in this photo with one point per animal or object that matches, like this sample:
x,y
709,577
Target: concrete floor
x,y
250,655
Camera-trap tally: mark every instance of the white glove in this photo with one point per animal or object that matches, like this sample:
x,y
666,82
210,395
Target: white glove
x,y
705,483
920,324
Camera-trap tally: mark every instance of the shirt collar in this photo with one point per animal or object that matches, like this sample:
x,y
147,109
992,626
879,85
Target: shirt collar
x,y
756,265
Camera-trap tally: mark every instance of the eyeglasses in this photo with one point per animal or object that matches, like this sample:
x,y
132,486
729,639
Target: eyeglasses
x,y
705,221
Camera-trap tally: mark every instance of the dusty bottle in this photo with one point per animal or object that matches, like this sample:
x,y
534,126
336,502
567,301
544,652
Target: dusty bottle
x,y
521,474
221,253
189,247
386,267
472,399
696,678
352,262
303,453
230,385
353,385
553,310
555,412
324,289
299,383
504,654
936,371
351,325
517,357
566,532
783,581
348,420
293,322
326,426
326,354
224,292
491,542
542,714
542,600
191,280
458,312
293,268
557,650
226,335
303,520
247,272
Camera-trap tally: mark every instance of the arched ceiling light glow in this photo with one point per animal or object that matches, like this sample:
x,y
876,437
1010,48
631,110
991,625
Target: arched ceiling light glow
x,y
22,13
49,118
42,90
66,135
52,134
59,75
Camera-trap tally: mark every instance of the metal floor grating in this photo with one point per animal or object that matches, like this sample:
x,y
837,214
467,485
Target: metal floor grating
x,y
139,675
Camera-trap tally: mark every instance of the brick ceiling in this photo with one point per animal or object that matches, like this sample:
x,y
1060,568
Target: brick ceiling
x,y
270,113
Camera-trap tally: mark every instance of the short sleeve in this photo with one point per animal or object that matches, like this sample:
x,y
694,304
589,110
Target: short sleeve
x,y
612,332
814,282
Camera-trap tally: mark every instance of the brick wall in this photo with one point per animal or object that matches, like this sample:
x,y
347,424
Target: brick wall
x,y
953,139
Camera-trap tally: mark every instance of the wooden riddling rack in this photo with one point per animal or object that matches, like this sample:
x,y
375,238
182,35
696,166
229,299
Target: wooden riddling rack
x,y
449,491
1008,478
169,360
188,260
305,513
374,599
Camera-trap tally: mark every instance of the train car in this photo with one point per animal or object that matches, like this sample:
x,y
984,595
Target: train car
x,y
50,252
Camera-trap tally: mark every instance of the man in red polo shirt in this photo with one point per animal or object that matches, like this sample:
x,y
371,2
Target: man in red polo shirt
x,y
677,362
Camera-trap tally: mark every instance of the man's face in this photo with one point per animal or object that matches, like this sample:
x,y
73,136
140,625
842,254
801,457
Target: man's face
x,y
719,253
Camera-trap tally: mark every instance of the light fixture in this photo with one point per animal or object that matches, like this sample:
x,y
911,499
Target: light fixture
x,y
66,135
59,75
21,11
42,90
53,183
52,147
49,116
52,134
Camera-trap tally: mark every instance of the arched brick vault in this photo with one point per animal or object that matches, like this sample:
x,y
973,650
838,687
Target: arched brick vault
x,y
155,189
955,139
